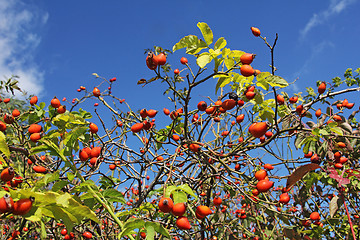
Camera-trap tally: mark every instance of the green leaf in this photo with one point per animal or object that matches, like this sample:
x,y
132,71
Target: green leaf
x,y
276,81
113,195
81,212
2,193
323,132
259,98
187,189
169,190
83,187
206,32
203,59
220,44
32,117
73,136
161,136
126,213
42,105
84,114
59,185
52,146
86,196
55,205
48,178
237,78
3,145
158,145
316,132
150,231
179,128
43,230
130,225
158,228
36,214
39,197
61,214
306,143
179,197
299,140
70,176
267,114
225,52
332,124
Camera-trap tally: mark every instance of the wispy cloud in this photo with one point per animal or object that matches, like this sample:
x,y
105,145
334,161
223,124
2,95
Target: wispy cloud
x,y
18,42
315,52
335,7
306,67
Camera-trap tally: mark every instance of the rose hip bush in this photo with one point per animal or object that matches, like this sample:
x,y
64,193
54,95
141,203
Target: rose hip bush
x,y
254,163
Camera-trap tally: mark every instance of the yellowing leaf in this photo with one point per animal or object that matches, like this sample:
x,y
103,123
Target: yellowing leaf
x,y
2,193
3,145
263,84
276,81
337,130
206,32
236,54
262,76
225,52
192,44
214,53
63,200
229,62
220,44
203,59
222,82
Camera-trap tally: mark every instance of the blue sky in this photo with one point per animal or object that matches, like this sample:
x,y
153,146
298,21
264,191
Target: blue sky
x,y
55,46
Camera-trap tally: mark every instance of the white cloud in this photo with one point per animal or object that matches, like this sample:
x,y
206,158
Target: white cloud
x,y
316,51
18,42
335,7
